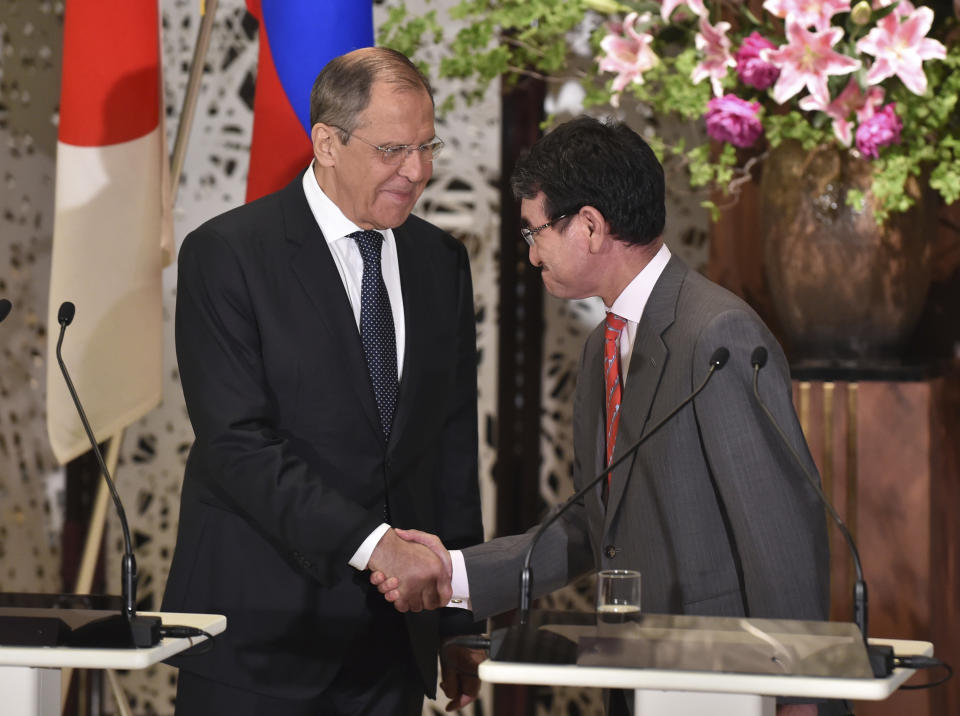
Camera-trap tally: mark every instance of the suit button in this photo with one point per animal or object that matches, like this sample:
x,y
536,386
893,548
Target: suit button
x,y
610,551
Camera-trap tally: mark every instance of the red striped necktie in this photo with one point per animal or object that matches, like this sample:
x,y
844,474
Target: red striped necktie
x,y
612,381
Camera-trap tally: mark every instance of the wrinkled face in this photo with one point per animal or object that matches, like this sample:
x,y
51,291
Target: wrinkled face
x,y
371,193
560,251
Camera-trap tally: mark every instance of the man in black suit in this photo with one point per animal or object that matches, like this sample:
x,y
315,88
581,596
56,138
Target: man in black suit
x,y
327,351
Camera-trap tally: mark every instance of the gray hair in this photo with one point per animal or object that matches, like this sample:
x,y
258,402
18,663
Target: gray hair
x,y
342,89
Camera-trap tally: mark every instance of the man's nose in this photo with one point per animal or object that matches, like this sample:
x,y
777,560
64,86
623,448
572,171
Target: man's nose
x,y
534,255
413,168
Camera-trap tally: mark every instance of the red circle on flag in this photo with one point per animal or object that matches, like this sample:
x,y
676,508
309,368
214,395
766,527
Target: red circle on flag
x,y
110,91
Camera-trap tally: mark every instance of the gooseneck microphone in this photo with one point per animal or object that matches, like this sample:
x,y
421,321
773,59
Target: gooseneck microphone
x,y
879,656
145,631
718,359
5,307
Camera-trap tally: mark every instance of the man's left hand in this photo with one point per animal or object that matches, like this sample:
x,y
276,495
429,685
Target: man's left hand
x,y
458,674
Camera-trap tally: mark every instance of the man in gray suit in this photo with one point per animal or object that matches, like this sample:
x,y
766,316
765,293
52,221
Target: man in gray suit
x,y
712,510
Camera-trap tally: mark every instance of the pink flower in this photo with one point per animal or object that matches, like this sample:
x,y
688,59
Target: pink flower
x,y
807,60
629,56
807,13
900,49
731,119
713,42
851,101
881,129
752,70
668,6
904,7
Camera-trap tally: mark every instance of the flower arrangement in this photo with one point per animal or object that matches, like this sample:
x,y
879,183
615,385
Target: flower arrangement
x,y
877,78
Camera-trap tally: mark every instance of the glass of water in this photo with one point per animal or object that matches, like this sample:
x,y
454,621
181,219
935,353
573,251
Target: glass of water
x,y
618,593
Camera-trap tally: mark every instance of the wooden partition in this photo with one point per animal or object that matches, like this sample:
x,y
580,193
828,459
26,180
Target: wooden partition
x,y
889,456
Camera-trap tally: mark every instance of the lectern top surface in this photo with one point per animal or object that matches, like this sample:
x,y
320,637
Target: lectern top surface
x,y
732,645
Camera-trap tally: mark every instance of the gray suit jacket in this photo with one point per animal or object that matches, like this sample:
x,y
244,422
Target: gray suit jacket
x,y
712,510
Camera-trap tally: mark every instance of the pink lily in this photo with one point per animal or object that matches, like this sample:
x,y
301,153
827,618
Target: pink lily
x,y
904,7
669,6
713,42
851,101
808,13
629,56
807,60
900,49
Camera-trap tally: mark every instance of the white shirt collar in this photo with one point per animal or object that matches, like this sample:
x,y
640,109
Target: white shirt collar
x,y
332,221
633,299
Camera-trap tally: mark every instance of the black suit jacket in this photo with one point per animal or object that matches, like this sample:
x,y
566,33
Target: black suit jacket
x,y
290,471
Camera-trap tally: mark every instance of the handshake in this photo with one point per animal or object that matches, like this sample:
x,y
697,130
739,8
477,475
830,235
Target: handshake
x,y
412,570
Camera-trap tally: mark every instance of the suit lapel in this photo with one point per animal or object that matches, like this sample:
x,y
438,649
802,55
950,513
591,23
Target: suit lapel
x,y
314,267
591,447
416,309
647,361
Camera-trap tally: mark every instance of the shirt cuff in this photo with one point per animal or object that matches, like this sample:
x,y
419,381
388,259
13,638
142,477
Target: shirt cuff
x,y
461,587
361,557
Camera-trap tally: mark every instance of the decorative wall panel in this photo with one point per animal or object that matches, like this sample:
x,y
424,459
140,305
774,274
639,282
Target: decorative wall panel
x,y
31,484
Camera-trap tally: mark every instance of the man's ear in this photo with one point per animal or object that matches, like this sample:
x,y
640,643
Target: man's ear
x,y
325,143
596,226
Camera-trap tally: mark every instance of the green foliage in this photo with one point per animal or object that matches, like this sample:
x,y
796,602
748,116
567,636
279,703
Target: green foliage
x,y
793,125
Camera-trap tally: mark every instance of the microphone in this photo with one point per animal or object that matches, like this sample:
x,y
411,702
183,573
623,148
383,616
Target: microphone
x,y
880,657
142,631
718,359
5,307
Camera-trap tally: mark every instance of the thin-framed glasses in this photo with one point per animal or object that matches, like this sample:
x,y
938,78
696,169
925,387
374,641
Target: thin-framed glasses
x,y
398,153
529,235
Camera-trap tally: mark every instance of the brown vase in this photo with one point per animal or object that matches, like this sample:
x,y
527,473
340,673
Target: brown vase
x,y
846,291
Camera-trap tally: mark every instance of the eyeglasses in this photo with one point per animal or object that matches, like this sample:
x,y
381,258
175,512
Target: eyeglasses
x,y
530,234
398,153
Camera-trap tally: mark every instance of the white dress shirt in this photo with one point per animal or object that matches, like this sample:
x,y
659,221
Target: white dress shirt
x,y
336,229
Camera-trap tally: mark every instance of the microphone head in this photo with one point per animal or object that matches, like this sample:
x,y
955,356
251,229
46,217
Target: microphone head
x,y
5,307
758,358
66,313
719,358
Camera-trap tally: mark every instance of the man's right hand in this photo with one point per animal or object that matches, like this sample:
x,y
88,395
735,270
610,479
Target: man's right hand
x,y
389,585
422,577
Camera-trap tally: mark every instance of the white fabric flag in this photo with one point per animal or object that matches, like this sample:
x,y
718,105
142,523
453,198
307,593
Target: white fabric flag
x,y
112,228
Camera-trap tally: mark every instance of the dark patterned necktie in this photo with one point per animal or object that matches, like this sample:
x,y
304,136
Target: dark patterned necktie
x,y
376,328
612,382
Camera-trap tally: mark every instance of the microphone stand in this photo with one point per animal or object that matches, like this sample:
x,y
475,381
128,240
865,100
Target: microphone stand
x,y
880,656
717,360
143,631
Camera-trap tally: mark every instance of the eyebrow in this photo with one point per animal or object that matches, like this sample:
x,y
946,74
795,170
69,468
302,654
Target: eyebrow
x,y
434,137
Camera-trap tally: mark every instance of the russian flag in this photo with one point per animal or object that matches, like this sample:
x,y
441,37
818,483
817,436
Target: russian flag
x,y
112,229
297,38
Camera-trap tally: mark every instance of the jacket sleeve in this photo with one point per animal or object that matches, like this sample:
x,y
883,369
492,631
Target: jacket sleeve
x,y
776,518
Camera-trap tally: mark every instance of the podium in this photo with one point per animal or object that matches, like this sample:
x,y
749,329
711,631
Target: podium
x,y
680,664
30,676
